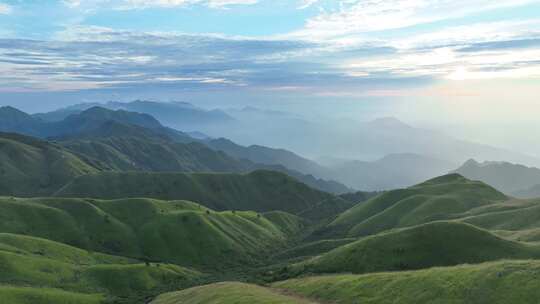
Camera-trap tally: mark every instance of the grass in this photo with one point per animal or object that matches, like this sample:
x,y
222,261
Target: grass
x,y
228,293
176,232
259,191
33,262
424,246
502,282
28,295
31,167
437,199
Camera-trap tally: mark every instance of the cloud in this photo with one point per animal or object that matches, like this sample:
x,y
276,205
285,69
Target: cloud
x,y
307,3
363,16
5,9
143,4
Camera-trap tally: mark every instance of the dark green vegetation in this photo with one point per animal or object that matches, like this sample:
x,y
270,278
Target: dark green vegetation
x,y
259,190
513,179
30,167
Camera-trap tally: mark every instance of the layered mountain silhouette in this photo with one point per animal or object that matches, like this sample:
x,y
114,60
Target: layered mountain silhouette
x,y
513,179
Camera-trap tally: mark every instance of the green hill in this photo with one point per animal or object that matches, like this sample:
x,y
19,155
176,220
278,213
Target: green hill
x,y
38,263
424,246
125,148
438,199
259,190
491,283
229,293
177,232
29,295
31,167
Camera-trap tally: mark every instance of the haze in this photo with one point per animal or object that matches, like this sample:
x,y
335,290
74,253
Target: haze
x,y
470,69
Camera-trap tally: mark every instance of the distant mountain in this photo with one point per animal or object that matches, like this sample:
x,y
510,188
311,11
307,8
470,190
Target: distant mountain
x,y
131,147
513,179
126,140
180,115
85,122
390,172
530,192
14,120
269,156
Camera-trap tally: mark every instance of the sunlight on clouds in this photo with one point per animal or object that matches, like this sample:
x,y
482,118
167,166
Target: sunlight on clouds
x,y
357,16
5,9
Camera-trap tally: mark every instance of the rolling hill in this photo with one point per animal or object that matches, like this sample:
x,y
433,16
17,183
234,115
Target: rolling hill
x,y
441,198
419,247
32,167
178,232
229,292
36,270
258,191
490,283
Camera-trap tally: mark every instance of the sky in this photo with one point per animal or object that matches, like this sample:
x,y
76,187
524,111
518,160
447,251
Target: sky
x,y
467,67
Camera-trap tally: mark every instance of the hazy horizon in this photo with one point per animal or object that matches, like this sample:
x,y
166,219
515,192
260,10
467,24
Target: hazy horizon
x,y
470,69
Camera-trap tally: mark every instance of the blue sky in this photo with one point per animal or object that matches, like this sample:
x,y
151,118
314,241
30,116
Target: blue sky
x,y
421,60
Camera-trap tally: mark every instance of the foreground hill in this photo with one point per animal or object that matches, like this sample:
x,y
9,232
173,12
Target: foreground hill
x,y
30,167
494,283
177,232
229,292
441,198
36,270
513,179
424,246
258,191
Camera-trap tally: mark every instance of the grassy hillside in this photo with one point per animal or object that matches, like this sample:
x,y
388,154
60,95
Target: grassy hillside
x,y
29,295
437,199
30,167
38,263
151,153
259,190
228,293
177,232
491,283
424,246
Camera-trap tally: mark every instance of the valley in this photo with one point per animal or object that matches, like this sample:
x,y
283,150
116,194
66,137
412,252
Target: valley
x,y
110,206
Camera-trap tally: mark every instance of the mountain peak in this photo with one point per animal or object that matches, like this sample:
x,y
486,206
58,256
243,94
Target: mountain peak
x,y
389,122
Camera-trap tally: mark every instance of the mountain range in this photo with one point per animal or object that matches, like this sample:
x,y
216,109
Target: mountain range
x,y
513,179
124,140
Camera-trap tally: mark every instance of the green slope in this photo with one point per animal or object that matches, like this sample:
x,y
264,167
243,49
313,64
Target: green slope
x,y
130,147
173,231
438,199
38,263
259,190
30,167
29,295
424,246
506,282
228,293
